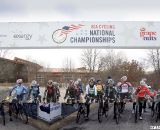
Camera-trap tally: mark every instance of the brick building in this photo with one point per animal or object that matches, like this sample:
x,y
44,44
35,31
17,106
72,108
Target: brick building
x,y
10,70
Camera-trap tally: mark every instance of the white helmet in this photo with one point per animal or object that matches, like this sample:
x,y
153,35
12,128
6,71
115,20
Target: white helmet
x,y
124,78
79,80
144,79
76,83
110,81
34,83
50,83
55,83
92,79
19,81
149,87
142,83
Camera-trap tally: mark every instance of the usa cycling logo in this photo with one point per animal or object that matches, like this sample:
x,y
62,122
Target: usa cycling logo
x,y
60,35
148,35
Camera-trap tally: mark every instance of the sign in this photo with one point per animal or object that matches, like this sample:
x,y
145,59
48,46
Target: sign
x,y
112,34
50,111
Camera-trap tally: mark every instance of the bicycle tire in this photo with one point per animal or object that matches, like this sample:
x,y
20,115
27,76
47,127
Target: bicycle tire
x,y
3,116
117,114
100,114
157,113
136,114
106,104
78,116
23,114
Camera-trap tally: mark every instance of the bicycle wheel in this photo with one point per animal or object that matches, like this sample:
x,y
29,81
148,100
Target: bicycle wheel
x,y
157,113
136,114
100,114
23,114
100,111
106,108
117,114
152,110
3,115
79,114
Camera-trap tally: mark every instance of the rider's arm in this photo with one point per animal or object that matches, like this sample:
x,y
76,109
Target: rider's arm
x,y
95,89
12,90
149,93
87,90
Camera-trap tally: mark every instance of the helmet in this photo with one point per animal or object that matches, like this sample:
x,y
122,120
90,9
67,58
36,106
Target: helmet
x,y
92,79
79,80
54,83
124,78
76,83
109,77
71,82
50,83
19,81
34,83
110,81
142,83
144,79
98,80
149,87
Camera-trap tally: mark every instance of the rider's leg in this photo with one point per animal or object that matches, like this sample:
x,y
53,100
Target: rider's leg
x,y
88,109
140,108
144,105
10,111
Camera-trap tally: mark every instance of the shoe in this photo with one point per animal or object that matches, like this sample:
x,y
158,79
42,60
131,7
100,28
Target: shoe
x,y
133,111
140,118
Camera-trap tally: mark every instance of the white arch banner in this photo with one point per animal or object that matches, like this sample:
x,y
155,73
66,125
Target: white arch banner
x,y
112,34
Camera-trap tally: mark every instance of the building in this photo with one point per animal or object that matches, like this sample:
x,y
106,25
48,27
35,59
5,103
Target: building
x,y
11,70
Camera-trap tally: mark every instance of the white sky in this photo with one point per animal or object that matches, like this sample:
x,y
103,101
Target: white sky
x,y
76,10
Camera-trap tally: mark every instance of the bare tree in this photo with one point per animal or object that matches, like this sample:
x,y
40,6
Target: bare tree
x,y
89,59
4,53
154,60
109,60
68,65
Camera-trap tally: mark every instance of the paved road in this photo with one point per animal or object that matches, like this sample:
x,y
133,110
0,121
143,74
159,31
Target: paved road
x,y
16,124
126,122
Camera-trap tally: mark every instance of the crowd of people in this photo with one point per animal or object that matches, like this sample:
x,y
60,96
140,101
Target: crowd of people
x,y
95,89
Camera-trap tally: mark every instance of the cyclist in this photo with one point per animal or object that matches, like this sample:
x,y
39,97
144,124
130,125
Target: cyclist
x,y
19,90
110,92
80,84
91,92
124,89
141,91
50,92
34,90
56,88
79,90
100,89
18,94
71,91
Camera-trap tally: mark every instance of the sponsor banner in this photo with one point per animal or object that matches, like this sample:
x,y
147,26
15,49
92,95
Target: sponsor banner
x,y
111,34
50,111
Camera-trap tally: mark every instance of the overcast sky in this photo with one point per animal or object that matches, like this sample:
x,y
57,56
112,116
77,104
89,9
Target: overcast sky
x,y
76,10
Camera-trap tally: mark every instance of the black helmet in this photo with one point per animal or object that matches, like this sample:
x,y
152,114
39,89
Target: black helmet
x,y
109,77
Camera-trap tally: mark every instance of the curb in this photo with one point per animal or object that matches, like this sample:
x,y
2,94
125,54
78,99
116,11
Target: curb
x,y
41,125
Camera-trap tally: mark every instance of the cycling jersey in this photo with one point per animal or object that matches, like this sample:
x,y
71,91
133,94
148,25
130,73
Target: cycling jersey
x,y
141,91
50,90
91,90
124,87
35,89
19,90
